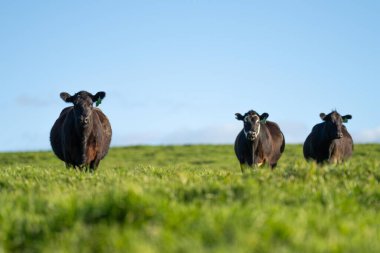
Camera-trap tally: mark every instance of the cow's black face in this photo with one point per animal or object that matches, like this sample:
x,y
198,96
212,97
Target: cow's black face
x,y
251,127
252,123
83,106
334,122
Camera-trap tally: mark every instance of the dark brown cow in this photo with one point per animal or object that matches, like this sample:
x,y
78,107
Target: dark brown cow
x,y
329,141
81,135
259,142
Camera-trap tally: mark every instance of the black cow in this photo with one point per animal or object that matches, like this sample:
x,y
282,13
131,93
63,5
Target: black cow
x,y
329,141
259,142
81,135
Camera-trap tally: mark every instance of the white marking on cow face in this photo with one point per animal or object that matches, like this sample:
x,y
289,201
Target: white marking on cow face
x,y
337,123
252,127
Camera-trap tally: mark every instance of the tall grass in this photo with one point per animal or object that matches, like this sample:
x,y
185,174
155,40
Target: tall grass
x,y
189,199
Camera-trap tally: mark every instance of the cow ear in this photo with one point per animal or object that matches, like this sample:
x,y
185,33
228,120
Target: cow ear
x,y
239,116
98,97
66,97
263,117
345,118
322,115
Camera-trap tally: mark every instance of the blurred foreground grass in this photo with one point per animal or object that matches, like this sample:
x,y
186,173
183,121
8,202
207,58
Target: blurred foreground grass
x,y
189,199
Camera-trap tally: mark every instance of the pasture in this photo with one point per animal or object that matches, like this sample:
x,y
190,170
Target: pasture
x,y
189,199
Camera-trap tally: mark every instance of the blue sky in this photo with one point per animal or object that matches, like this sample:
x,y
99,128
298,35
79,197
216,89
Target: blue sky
x,y
175,72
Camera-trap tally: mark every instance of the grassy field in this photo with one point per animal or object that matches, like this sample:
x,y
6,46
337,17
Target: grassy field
x,y
189,199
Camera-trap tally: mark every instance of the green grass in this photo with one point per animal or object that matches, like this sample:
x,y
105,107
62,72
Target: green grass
x,y
189,199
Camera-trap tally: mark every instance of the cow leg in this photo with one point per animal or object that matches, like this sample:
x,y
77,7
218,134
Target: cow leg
x,y
94,164
70,166
66,159
273,165
97,163
244,167
335,160
334,157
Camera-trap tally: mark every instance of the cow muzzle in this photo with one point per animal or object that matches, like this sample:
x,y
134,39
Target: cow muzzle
x,y
84,120
339,135
252,135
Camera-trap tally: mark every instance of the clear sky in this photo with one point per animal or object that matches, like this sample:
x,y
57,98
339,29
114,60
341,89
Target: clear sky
x,y
176,72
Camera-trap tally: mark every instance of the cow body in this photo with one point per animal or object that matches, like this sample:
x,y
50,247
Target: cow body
x,y
266,145
329,141
78,144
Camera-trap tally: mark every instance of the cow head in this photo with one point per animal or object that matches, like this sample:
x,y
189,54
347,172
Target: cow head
x,y
334,122
83,105
252,123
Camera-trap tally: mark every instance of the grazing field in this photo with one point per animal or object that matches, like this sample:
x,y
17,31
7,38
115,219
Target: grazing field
x,y
189,199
